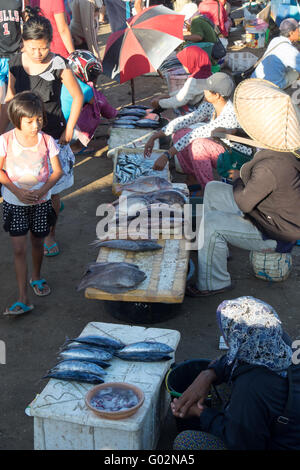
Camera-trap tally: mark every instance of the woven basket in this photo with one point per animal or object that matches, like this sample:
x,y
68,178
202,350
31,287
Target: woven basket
x,y
274,267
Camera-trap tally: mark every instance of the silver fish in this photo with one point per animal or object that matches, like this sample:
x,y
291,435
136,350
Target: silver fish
x,y
112,277
169,196
129,245
76,376
146,184
85,355
146,351
100,341
79,366
147,123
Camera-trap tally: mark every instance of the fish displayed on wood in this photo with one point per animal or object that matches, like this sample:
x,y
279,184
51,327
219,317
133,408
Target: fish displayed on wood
x,y
129,245
112,277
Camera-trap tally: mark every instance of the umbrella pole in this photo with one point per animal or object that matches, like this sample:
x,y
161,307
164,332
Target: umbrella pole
x,y
132,91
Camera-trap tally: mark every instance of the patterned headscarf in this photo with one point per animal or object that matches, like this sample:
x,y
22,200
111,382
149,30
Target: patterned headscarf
x,y
253,333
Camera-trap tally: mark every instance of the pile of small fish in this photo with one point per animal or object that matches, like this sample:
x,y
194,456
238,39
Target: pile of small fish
x,y
131,167
114,399
85,358
136,116
115,278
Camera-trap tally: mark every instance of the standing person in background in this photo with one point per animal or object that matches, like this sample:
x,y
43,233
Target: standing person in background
x,y
118,11
84,26
55,11
215,12
10,37
39,70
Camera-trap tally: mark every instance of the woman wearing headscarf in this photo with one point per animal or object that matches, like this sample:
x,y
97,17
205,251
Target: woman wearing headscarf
x,y
193,142
263,412
196,62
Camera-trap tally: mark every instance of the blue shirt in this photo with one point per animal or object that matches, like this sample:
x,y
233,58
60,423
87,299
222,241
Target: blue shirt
x,y
66,99
274,66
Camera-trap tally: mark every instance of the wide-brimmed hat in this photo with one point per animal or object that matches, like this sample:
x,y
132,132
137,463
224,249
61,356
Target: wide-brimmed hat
x,y
268,115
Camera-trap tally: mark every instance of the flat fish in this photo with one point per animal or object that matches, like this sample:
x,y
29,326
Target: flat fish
x,y
146,184
129,245
86,355
76,376
100,341
112,277
79,366
169,196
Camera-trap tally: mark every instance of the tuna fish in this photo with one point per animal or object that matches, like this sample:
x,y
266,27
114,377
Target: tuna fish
x,y
71,375
169,196
147,123
85,354
145,351
100,341
112,277
78,366
129,245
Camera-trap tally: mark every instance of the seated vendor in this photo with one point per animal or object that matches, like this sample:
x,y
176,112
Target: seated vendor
x,y
260,211
195,62
281,63
263,412
193,144
200,30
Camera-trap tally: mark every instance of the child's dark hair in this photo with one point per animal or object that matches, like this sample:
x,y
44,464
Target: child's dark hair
x,y
36,26
25,104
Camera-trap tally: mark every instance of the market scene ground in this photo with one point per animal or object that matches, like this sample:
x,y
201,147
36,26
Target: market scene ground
x,y
32,341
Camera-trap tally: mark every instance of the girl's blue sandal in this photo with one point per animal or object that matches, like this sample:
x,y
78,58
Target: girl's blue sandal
x,y
14,311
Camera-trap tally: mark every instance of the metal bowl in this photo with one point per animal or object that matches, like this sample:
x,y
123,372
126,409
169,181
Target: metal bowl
x,y
116,387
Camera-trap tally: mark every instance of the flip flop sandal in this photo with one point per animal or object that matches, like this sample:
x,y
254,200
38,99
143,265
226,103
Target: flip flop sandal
x,y
13,311
48,248
38,287
83,151
192,291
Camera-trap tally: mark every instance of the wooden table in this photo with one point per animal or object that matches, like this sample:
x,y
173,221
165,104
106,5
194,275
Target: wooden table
x,y
166,272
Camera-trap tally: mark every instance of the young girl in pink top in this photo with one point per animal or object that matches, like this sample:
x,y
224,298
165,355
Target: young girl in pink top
x,y
26,153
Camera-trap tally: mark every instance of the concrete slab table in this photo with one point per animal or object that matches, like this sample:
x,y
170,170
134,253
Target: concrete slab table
x,y
62,420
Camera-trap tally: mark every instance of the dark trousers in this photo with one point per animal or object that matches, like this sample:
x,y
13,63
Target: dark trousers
x,y
117,11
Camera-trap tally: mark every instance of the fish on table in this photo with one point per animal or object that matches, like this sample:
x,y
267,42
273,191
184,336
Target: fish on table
x,y
99,341
78,366
114,278
85,354
145,184
129,245
145,351
77,376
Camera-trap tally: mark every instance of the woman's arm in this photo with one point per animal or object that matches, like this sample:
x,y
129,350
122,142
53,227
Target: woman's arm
x,y
64,31
10,93
186,94
74,89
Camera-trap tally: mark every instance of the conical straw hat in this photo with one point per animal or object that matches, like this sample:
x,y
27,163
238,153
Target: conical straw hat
x,y
268,115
